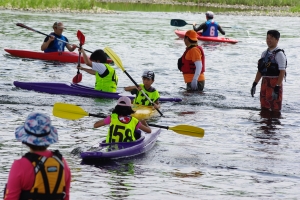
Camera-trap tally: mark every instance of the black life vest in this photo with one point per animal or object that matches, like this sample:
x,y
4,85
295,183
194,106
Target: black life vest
x,y
268,66
49,183
187,66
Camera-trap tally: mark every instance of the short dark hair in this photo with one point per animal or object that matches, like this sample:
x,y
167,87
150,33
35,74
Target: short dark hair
x,y
274,33
123,110
36,148
99,55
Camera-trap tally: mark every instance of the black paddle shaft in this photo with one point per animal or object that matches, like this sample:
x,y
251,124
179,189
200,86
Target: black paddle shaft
x,y
31,29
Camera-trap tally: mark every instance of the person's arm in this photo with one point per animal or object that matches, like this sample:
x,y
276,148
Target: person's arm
x,y
21,177
221,30
156,104
200,27
71,47
144,126
129,88
257,77
90,71
280,77
102,122
281,60
86,59
194,83
67,179
46,42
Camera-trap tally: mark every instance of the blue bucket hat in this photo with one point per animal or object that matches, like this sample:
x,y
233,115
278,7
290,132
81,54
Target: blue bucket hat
x,y
37,130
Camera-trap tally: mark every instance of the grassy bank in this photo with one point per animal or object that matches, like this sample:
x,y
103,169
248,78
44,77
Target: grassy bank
x,y
294,5
278,3
48,4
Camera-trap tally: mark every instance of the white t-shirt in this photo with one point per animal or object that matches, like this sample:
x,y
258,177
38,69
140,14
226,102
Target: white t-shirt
x,y
98,67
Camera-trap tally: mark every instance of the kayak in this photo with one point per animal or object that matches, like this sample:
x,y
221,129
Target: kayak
x,y
123,149
63,56
75,90
143,112
181,34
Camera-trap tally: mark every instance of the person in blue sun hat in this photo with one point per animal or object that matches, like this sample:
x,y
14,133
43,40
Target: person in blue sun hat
x,y
41,170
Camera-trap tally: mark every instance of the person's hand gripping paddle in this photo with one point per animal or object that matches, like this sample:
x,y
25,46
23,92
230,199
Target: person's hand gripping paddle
x,y
81,39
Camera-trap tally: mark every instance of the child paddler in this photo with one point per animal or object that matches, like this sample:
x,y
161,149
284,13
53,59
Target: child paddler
x,y
151,92
122,126
106,76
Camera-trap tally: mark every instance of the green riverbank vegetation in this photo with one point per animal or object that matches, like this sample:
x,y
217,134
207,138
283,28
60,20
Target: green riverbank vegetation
x,y
278,3
48,4
294,5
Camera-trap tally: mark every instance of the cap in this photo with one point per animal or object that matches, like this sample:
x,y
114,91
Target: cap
x,y
59,25
209,14
148,74
192,35
124,101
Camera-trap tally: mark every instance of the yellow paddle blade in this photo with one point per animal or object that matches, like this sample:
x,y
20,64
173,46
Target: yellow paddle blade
x,y
188,130
68,111
114,57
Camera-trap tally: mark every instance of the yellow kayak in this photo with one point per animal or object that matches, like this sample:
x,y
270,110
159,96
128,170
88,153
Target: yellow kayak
x,y
143,112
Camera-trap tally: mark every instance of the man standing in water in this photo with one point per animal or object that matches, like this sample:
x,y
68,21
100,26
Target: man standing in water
x,y
271,68
57,42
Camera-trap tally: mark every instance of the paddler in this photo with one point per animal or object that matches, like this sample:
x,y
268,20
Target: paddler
x,y
106,76
51,44
210,27
146,86
192,63
122,126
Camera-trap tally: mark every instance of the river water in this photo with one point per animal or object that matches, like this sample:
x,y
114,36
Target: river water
x,y
245,154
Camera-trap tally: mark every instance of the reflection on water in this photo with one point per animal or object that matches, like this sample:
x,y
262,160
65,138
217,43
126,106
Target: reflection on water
x,y
119,172
270,121
269,127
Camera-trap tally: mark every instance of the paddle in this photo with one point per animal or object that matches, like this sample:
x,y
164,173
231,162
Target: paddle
x,y
180,23
81,39
118,62
73,112
31,29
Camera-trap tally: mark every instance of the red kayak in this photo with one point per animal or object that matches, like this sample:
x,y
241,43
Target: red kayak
x,y
64,56
181,34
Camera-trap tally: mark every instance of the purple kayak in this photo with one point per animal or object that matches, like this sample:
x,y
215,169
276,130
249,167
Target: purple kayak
x,y
123,149
75,89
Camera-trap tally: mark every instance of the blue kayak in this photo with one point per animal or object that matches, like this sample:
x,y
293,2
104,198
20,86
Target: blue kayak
x,y
123,149
76,90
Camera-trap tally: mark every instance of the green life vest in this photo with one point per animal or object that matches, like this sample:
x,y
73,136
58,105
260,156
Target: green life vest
x,y
121,128
108,81
142,100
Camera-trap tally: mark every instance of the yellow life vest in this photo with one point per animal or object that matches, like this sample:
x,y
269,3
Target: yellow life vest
x,y
121,128
49,182
142,100
107,82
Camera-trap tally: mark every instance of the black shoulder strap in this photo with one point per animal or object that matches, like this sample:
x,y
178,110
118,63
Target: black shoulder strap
x,y
279,50
32,157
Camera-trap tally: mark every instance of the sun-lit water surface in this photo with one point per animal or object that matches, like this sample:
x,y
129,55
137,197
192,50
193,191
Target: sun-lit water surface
x,y
245,154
